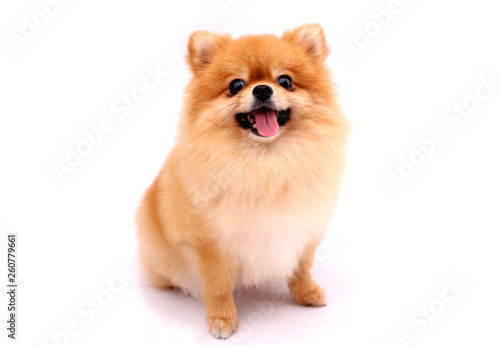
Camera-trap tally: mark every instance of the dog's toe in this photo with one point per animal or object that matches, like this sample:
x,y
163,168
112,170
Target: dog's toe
x,y
222,328
314,296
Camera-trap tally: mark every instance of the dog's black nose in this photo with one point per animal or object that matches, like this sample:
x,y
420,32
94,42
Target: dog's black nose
x,y
262,92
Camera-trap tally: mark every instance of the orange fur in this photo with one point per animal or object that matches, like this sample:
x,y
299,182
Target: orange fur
x,y
229,209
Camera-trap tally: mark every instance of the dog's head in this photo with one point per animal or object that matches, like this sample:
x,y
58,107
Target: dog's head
x,y
256,89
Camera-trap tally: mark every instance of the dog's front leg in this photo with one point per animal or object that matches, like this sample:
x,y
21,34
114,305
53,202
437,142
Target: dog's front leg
x,y
304,289
219,277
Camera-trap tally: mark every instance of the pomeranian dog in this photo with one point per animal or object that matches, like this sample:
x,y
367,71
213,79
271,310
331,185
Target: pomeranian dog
x,y
247,192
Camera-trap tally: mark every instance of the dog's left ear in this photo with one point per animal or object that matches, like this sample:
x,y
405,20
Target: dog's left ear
x,y
311,37
201,48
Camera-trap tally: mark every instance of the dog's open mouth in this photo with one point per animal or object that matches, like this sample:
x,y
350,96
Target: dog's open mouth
x,y
264,121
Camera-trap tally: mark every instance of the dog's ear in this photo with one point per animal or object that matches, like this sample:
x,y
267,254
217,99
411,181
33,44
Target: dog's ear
x,y
311,37
201,48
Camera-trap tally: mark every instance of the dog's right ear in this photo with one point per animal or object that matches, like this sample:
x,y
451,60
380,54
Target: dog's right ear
x,y
201,48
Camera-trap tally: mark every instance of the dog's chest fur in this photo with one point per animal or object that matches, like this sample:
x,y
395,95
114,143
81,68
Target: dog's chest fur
x,y
263,214
265,240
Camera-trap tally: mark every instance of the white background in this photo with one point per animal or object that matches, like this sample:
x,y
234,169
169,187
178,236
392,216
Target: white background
x,y
392,251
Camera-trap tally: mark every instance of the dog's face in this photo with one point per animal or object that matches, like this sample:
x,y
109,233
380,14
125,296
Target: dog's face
x,y
256,89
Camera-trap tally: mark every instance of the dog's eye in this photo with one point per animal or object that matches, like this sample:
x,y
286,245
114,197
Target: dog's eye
x,y
235,86
285,81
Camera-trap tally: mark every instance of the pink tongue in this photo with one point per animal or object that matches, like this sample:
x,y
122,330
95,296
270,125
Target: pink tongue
x,y
266,122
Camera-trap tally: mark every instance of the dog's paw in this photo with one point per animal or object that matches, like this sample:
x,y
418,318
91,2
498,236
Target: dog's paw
x,y
222,328
312,295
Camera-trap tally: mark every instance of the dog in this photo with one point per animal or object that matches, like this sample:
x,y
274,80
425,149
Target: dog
x,y
245,195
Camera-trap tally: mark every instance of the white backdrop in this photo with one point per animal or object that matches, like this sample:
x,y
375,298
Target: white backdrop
x,y
411,257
